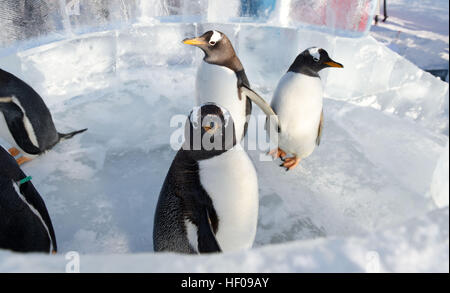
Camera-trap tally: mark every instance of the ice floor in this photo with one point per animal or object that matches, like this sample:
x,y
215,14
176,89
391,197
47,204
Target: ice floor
x,y
363,195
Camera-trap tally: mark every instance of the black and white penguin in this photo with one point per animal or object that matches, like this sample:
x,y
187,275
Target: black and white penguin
x,y
221,79
25,120
209,200
25,224
298,103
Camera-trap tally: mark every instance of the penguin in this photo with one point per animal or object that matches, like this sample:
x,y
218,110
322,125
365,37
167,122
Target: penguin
x,y
25,224
209,199
297,101
221,79
25,120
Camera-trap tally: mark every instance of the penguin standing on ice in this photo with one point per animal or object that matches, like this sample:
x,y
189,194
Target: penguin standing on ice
x,y
221,79
25,121
25,224
298,103
209,200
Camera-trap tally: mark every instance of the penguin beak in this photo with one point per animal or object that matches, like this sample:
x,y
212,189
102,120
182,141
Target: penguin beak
x,y
331,63
194,41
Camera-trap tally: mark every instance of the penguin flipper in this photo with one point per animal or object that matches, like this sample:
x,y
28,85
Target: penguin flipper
x,y
207,241
262,104
14,119
319,133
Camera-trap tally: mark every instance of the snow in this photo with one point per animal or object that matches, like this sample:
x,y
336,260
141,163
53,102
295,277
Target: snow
x,y
419,245
439,183
417,30
370,198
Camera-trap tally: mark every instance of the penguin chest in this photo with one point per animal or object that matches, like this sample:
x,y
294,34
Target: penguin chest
x,y
218,84
231,182
298,102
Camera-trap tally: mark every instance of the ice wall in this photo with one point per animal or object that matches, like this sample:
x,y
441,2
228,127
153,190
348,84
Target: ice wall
x,y
346,17
366,187
373,76
28,19
439,184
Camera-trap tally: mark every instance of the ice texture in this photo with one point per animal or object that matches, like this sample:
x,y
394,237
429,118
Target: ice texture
x,y
418,245
360,196
439,184
334,16
56,19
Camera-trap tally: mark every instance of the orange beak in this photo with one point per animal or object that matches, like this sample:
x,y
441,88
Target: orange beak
x,y
334,64
194,41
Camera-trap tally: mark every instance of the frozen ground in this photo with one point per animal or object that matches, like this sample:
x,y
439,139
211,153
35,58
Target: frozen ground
x,y
364,201
417,30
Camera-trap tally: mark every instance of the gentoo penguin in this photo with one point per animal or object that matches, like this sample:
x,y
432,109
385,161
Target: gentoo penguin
x,y
25,121
298,103
221,79
209,200
25,224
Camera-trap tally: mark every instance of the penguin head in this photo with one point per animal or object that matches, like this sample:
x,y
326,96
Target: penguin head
x,y
209,131
218,49
312,60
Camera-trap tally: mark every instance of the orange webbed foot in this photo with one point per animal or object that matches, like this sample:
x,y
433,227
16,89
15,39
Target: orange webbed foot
x,y
277,153
22,160
291,163
14,152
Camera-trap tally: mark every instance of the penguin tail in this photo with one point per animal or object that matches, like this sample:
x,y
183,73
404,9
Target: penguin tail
x,y
64,136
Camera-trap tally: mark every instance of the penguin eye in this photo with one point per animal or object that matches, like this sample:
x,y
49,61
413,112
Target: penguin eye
x,y
316,59
212,43
212,127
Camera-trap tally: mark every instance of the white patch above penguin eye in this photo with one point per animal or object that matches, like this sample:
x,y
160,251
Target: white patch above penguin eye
x,y
216,36
314,52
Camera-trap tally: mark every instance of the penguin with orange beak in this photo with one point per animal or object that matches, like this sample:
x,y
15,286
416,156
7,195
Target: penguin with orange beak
x,y
298,103
221,79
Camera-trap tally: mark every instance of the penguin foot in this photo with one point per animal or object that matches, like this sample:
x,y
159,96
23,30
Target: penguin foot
x,y
22,160
290,163
277,153
14,152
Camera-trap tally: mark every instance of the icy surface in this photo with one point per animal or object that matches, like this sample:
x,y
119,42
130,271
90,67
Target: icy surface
x,y
58,19
419,245
364,193
439,184
348,17
417,30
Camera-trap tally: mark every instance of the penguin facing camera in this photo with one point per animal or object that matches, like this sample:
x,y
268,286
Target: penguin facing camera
x,y
209,199
298,103
25,120
25,225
